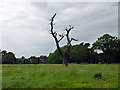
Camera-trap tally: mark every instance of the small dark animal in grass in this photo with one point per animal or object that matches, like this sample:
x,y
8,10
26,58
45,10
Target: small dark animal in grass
x,y
98,75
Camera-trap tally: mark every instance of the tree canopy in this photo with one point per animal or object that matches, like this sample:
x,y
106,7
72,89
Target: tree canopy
x,y
8,58
110,46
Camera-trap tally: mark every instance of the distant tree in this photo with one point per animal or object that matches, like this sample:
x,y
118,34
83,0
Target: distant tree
x,y
4,52
94,58
82,43
34,60
64,54
117,51
43,57
109,45
78,53
26,61
18,61
12,57
87,44
55,57
8,58
22,57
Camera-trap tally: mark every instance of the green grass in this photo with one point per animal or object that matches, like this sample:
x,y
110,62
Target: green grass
x,y
58,76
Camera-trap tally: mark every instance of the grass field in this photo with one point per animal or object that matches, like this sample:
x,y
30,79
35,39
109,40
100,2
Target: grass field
x,y
57,76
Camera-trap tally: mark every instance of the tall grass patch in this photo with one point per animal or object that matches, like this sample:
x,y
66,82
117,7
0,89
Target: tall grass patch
x,y
58,76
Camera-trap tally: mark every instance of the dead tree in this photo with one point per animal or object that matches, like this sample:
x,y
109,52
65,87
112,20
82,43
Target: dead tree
x,y
64,54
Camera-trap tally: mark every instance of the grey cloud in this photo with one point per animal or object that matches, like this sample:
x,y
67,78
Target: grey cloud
x,y
26,26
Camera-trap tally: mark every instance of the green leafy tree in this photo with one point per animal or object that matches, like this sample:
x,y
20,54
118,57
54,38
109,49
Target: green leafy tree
x,y
18,61
43,57
22,57
26,61
4,52
8,58
55,57
109,46
78,53
34,60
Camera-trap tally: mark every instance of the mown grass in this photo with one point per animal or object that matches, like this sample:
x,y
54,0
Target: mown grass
x,y
58,76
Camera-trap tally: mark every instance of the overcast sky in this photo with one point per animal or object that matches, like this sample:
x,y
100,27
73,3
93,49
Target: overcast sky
x,y
25,25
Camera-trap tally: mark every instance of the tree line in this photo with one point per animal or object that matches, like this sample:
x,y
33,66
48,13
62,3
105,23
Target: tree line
x,y
105,50
9,58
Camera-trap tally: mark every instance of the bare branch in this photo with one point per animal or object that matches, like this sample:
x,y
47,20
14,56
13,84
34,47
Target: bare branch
x,y
66,29
51,24
74,39
61,38
54,34
70,28
60,35
67,35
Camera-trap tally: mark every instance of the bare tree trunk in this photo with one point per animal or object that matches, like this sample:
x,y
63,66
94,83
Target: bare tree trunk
x,y
65,62
65,58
